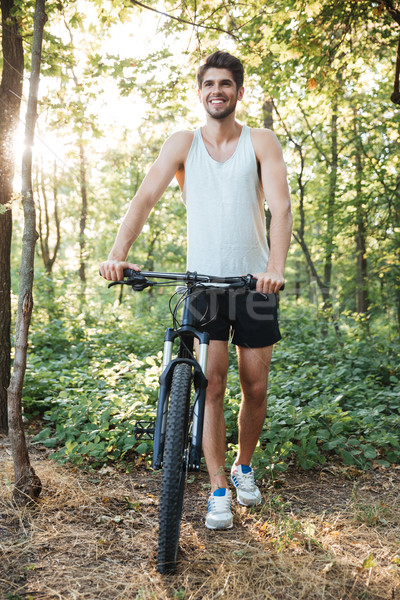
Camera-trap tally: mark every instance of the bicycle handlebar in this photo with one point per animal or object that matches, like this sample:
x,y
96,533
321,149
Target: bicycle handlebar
x,y
138,279
192,277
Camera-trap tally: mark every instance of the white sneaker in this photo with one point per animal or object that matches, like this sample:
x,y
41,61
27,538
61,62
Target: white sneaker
x,y
219,514
242,477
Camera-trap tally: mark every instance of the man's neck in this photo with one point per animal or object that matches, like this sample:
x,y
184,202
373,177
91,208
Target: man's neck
x,y
221,131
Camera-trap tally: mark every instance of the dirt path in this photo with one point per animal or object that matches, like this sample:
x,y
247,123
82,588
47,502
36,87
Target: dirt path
x,y
331,534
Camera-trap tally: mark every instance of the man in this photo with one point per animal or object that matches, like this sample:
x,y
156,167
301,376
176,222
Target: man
x,y
225,170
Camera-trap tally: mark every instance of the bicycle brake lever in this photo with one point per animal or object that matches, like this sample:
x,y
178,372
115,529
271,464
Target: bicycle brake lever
x,y
138,283
116,283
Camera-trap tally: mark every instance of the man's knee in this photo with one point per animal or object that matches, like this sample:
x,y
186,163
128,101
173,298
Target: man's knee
x,y
254,392
216,388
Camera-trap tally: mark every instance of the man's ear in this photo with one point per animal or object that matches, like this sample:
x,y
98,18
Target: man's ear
x,y
240,93
199,94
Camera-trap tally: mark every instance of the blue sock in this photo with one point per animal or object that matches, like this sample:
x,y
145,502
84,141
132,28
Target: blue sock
x,y
220,492
245,469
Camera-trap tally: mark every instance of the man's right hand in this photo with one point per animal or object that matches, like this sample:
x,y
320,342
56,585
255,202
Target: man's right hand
x,y
113,270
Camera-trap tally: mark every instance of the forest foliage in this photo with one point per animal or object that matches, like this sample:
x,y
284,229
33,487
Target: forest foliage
x,y
116,80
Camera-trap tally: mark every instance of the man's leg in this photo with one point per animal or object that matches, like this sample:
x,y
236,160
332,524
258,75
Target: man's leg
x,y
253,372
219,515
214,445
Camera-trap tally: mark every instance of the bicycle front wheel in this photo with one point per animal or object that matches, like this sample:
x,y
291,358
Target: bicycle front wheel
x,y
174,469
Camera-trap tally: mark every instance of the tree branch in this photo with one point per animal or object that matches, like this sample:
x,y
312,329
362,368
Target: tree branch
x,y
316,144
185,21
394,12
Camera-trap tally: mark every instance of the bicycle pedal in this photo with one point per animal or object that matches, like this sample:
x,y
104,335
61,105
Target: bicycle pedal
x,y
144,430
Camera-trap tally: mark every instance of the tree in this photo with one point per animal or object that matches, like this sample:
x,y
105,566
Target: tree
x,y
10,101
48,256
27,484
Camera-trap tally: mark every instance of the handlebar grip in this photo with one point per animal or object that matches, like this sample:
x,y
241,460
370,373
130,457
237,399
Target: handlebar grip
x,y
253,284
130,273
127,273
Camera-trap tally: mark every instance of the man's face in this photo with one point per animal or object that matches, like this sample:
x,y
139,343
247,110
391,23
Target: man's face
x,y
218,93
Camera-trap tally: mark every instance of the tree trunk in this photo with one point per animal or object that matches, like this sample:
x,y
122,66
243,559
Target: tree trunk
x,y
27,483
362,302
10,101
268,120
44,230
299,234
268,114
330,217
395,97
398,309
82,221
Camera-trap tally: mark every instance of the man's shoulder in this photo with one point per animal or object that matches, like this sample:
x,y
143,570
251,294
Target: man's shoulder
x,y
264,142
182,137
179,143
263,135
176,147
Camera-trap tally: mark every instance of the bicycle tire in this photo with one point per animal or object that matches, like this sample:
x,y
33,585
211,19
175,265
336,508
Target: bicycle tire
x,y
174,469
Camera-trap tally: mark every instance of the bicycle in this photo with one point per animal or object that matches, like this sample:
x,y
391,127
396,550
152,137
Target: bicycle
x,y
178,429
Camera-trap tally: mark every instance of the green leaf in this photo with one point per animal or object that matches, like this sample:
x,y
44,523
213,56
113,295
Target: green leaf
x,y
41,435
347,457
370,452
141,448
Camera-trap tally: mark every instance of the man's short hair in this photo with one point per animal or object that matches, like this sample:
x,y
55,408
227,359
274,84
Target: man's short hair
x,y
222,60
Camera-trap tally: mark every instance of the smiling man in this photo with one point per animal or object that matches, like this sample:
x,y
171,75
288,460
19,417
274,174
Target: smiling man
x,y
226,172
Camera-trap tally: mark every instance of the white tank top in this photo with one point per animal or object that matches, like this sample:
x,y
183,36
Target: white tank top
x,y
225,211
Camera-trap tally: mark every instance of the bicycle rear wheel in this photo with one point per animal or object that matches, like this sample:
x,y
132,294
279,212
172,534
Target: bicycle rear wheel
x,y
174,469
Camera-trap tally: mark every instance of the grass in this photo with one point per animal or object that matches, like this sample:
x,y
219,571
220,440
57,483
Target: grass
x,y
93,535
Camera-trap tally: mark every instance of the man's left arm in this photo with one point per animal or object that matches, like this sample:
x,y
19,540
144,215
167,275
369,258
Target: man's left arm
x,y
274,181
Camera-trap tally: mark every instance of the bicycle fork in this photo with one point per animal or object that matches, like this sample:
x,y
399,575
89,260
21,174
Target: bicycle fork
x,y
200,384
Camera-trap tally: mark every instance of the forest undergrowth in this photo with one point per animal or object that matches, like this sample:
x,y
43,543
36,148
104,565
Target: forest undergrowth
x,y
334,388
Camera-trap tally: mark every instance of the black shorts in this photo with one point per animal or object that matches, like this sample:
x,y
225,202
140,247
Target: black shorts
x,y
250,318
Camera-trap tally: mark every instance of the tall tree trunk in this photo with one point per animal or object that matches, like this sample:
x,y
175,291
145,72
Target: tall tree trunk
x,y
83,218
398,308
397,276
27,483
362,302
10,101
268,120
299,233
44,229
395,97
83,186
330,216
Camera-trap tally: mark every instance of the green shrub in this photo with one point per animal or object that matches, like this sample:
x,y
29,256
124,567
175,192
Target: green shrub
x,y
329,394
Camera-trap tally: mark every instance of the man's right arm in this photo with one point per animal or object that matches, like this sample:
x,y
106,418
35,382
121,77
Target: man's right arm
x,y
169,161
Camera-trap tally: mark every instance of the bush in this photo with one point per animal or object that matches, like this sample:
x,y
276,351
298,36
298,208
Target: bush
x,y
329,393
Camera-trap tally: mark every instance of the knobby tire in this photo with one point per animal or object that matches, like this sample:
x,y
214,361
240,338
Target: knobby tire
x,y
174,469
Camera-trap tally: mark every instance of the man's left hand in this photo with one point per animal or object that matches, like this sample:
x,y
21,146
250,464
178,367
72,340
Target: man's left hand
x,y
269,282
